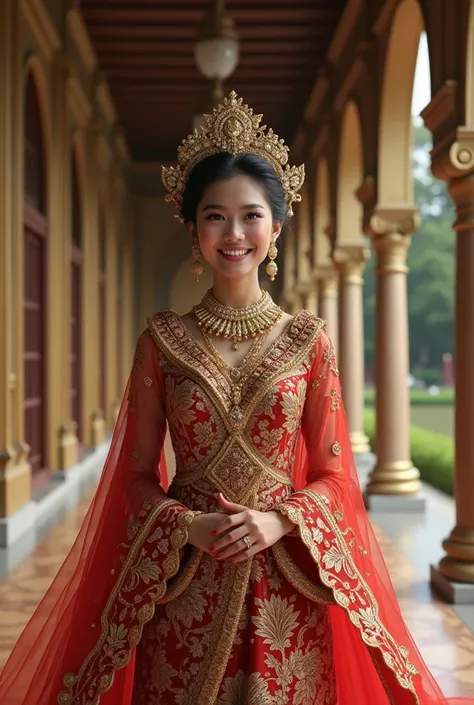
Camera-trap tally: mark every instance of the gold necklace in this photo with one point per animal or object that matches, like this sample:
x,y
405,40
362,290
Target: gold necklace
x,y
236,375
237,324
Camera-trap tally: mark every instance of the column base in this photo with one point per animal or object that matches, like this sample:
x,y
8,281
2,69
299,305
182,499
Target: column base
x,y
359,442
457,593
458,564
15,478
394,478
401,504
98,431
68,450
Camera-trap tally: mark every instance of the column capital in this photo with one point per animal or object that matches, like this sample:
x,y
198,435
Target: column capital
x,y
461,191
350,261
391,252
387,219
454,157
327,282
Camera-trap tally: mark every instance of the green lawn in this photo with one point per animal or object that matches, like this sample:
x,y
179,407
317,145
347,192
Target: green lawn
x,y
419,397
435,418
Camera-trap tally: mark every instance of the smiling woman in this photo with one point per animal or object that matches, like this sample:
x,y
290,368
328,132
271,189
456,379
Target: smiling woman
x,y
255,578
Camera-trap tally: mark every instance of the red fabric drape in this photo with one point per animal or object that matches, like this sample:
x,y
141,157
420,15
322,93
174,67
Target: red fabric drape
x,y
62,631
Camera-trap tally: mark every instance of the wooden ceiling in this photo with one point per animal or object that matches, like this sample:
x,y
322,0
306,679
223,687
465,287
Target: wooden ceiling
x,y
146,50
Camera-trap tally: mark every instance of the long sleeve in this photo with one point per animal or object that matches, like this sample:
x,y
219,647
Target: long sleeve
x,y
324,424
147,417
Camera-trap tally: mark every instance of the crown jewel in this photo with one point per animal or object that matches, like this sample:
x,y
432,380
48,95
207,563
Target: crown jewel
x,y
233,128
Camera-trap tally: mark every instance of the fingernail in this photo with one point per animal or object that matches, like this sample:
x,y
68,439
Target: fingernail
x,y
212,549
214,533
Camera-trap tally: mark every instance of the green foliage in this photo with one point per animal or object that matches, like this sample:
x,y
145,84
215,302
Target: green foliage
x,y
418,397
431,259
432,453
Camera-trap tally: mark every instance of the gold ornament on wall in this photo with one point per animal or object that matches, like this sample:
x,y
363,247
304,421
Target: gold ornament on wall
x,y
272,268
232,128
197,267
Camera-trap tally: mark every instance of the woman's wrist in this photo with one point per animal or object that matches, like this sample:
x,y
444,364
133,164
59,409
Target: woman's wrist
x,y
286,524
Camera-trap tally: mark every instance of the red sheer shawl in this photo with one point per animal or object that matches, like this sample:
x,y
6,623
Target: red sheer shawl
x,y
60,634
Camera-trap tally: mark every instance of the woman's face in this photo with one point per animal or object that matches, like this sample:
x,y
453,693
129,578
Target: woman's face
x,y
234,226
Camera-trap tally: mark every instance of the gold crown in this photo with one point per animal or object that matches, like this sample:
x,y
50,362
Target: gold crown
x,y
233,128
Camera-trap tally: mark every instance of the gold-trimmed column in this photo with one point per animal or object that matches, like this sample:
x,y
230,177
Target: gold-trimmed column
x,y
15,471
116,196
328,297
93,422
350,261
394,473
62,432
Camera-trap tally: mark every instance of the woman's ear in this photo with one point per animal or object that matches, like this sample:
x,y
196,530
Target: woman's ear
x,y
276,230
191,228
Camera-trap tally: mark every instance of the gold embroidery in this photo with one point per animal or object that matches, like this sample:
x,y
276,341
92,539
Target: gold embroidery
x,y
148,381
329,356
336,448
299,580
117,642
335,398
338,571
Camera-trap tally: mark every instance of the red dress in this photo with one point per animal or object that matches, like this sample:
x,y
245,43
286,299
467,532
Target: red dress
x,y
136,616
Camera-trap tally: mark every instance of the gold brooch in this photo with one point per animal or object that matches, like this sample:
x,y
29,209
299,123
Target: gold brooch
x,y
233,128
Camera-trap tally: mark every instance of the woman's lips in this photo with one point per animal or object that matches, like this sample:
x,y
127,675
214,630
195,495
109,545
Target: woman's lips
x,y
234,254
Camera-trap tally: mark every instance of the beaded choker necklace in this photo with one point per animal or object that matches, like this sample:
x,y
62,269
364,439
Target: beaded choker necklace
x,y
237,324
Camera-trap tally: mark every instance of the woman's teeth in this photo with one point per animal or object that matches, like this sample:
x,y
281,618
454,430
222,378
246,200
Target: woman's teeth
x,y
234,253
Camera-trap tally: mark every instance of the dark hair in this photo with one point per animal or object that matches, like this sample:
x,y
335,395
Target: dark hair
x,y
223,166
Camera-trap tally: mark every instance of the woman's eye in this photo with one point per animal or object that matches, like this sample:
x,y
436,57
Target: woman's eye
x,y
253,216
215,216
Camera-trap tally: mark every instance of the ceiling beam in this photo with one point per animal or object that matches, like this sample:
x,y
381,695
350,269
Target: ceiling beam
x,y
296,12
107,46
121,32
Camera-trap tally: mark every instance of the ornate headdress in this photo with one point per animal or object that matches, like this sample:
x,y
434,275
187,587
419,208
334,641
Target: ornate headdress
x,y
233,128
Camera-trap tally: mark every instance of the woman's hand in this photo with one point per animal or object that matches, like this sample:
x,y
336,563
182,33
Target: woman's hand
x,y
263,529
203,528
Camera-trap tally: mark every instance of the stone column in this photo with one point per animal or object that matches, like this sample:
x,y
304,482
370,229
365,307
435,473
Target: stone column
x,y
92,419
328,289
458,563
116,196
393,473
312,302
350,261
62,432
15,470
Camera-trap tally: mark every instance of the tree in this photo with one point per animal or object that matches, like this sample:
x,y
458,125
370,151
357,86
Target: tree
x,y
431,260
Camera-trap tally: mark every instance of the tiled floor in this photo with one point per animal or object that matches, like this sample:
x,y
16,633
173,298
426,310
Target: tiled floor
x,y
444,639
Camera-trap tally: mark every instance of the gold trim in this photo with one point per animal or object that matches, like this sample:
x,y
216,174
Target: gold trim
x,y
178,539
331,579
206,684
299,580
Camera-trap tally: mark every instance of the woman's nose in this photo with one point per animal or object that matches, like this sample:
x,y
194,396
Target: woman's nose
x,y
234,230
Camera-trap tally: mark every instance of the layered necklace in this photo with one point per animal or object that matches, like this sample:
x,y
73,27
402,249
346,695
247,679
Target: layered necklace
x,y
237,324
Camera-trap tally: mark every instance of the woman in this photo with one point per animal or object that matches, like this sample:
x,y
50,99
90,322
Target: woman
x,y
255,578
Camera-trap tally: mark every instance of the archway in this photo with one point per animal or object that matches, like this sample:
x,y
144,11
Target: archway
x,y
395,184
35,225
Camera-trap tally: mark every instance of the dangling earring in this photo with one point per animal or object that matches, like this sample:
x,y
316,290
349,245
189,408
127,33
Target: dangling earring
x,y
271,268
197,267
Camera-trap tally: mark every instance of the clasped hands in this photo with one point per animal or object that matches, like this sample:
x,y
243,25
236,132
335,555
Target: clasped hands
x,y
222,535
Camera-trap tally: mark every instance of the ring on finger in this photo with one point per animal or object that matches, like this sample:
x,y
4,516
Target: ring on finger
x,y
247,541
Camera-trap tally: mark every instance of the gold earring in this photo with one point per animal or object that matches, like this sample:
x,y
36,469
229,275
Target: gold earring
x,y
197,267
271,268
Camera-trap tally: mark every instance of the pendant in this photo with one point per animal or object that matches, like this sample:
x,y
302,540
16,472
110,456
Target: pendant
x,y
236,344
236,414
